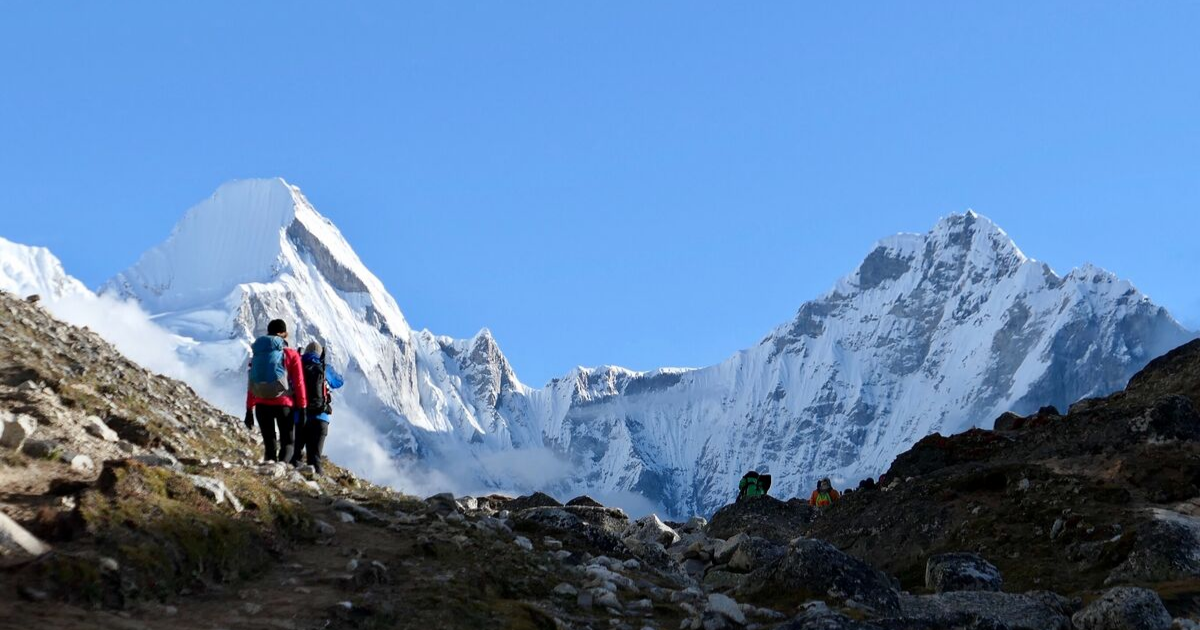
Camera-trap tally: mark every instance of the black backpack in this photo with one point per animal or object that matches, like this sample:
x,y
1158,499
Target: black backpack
x,y
314,384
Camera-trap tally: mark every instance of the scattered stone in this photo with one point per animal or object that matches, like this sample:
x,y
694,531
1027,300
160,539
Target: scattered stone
x,y
523,543
345,517
15,429
215,489
361,513
650,529
566,590
323,529
961,572
552,544
79,462
109,565
251,608
726,607
16,539
1124,608
96,427
41,449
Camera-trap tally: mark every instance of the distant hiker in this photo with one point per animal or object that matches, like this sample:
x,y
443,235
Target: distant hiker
x,y
753,485
276,387
824,495
311,434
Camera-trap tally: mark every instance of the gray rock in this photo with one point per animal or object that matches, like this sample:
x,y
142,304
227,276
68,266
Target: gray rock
x,y
15,429
16,540
216,490
961,572
1167,549
752,553
79,462
360,513
323,529
650,529
96,427
821,570
1124,608
982,610
726,607
443,503
566,590
765,517
42,449
724,550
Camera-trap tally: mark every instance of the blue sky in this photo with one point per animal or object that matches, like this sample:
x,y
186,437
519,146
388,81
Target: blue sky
x,y
635,183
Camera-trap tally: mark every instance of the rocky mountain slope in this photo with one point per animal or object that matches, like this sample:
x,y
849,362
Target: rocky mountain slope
x,y
128,502
933,332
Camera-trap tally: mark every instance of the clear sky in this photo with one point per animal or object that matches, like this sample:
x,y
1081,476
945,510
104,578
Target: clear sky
x,y
636,183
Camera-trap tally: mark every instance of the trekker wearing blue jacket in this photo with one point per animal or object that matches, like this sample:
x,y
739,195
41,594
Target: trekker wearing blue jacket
x,y
313,426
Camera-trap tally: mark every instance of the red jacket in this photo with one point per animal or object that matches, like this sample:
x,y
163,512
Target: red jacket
x,y
295,374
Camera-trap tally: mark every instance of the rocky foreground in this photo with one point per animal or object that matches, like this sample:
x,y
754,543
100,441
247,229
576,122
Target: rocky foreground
x,y
128,502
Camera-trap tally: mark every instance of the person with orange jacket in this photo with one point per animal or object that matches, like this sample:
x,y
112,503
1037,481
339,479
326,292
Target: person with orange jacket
x,y
824,495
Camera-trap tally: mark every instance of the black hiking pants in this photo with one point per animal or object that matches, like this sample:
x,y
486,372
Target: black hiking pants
x,y
314,440
269,417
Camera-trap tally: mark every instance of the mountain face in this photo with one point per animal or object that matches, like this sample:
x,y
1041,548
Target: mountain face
x,y
26,270
933,332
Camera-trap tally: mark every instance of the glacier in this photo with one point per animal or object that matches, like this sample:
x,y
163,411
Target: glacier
x,y
933,332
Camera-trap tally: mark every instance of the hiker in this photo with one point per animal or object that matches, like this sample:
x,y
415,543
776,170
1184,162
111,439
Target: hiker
x,y
753,485
276,387
824,495
311,434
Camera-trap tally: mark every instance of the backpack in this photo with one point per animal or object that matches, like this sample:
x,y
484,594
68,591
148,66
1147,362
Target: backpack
x,y
268,376
314,383
753,485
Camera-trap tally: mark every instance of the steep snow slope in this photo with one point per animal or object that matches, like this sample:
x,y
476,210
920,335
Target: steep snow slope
x,y
257,250
26,270
933,332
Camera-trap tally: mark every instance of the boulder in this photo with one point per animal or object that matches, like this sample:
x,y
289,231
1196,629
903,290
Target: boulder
x,y
443,503
535,500
650,529
1167,548
15,429
726,607
96,427
818,616
980,610
584,501
752,553
15,539
1124,608
42,449
764,517
814,569
961,572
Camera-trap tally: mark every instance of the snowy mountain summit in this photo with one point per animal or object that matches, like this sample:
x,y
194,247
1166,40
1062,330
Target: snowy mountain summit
x,y
933,332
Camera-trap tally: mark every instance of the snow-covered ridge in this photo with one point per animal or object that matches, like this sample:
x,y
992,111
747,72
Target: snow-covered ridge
x,y
26,270
932,332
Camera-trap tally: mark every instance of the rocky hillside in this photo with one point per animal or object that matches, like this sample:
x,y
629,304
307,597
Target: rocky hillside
x,y
127,502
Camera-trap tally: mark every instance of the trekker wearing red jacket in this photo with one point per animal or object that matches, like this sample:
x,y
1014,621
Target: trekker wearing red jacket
x,y
276,387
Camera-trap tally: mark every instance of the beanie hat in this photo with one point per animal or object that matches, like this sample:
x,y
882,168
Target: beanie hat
x,y
313,348
276,326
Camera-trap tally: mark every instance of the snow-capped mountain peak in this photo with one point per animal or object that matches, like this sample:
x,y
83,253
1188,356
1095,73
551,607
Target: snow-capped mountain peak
x,y
27,270
931,332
